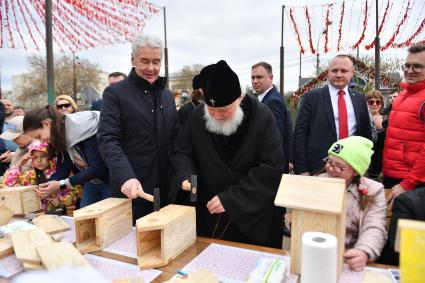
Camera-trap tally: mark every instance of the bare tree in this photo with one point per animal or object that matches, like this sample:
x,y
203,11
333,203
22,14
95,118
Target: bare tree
x,y
182,79
33,88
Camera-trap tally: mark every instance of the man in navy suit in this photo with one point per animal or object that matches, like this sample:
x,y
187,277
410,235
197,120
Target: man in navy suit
x,y
266,92
319,119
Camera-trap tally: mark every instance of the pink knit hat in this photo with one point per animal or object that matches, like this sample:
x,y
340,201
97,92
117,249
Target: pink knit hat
x,y
38,146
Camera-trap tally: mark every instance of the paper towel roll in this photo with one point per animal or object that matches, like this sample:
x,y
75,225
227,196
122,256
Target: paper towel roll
x,y
318,258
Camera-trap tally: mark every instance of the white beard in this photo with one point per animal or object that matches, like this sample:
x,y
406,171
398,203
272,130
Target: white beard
x,y
223,128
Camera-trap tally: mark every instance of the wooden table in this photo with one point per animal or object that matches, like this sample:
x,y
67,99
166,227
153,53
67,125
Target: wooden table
x,y
183,259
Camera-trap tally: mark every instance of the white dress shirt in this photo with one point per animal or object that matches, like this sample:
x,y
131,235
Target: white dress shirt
x,y
351,117
261,96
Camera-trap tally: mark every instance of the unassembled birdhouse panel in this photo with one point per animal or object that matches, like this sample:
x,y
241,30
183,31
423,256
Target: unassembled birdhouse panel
x,y
21,200
102,223
318,204
164,234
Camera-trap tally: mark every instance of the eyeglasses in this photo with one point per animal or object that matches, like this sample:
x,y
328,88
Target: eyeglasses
x,y
372,102
336,167
417,68
61,106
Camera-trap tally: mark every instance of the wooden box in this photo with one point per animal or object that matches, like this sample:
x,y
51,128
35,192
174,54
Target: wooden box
x,y
102,223
163,235
21,200
318,204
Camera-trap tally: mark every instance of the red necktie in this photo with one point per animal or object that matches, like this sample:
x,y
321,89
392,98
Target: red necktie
x,y
342,112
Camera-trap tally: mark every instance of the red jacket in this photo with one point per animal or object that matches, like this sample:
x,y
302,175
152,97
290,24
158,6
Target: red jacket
x,y
404,150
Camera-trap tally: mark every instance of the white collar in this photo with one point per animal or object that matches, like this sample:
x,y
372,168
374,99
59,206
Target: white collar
x,y
261,96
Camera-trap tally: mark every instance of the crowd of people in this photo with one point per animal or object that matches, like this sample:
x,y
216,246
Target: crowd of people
x,y
135,140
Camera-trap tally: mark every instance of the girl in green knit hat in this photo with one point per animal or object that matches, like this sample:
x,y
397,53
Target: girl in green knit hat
x,y
366,234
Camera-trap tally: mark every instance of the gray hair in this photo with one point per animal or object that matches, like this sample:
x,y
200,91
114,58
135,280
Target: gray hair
x,y
142,40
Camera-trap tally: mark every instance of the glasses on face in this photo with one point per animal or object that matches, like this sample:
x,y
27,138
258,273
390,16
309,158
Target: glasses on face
x,y
417,68
338,168
372,102
62,106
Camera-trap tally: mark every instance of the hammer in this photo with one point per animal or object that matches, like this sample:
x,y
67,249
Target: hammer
x,y
155,198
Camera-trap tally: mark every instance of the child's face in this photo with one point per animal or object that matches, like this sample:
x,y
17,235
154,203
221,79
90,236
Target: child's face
x,y
40,160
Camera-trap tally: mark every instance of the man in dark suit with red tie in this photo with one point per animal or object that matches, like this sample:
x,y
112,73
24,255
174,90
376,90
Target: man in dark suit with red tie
x,y
328,114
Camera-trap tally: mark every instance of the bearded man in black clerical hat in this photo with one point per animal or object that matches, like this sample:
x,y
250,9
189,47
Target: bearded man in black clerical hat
x,y
232,144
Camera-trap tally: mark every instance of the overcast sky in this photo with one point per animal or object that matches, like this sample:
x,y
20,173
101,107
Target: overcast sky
x,y
242,32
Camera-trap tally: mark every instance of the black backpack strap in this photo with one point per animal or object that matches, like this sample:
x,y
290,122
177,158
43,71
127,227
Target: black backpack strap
x,y
421,108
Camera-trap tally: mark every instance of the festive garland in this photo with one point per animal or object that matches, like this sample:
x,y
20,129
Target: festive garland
x,y
327,23
76,24
408,42
310,39
359,66
372,44
403,20
366,14
340,25
294,24
27,25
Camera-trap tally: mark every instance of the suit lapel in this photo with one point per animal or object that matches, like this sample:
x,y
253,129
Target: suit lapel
x,y
268,94
327,106
355,101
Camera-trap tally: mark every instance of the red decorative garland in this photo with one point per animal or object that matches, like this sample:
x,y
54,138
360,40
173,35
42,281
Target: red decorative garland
x,y
364,27
408,42
27,25
372,44
403,20
17,26
327,23
310,39
7,24
294,24
340,25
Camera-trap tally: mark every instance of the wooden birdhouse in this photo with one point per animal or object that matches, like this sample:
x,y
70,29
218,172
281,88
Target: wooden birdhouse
x,y
102,223
164,234
21,200
318,204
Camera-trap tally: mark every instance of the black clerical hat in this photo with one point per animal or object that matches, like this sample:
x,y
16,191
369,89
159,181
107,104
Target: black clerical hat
x,y
205,75
222,87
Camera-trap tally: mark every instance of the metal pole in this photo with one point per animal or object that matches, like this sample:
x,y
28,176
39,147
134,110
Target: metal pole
x,y
49,53
317,63
377,53
358,52
299,77
282,57
166,51
75,77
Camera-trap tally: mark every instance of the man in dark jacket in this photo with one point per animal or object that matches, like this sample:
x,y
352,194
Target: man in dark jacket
x,y
233,146
266,92
137,127
328,114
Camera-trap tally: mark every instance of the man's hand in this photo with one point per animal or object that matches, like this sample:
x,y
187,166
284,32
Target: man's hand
x,y
395,192
46,189
132,188
305,174
356,259
214,206
186,185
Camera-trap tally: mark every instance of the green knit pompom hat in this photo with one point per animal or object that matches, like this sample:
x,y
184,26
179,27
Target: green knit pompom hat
x,y
355,150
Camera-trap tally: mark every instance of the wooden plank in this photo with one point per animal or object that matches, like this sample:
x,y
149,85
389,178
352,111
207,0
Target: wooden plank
x,y
6,247
25,242
5,214
311,193
30,201
28,265
159,219
60,254
130,280
96,209
51,223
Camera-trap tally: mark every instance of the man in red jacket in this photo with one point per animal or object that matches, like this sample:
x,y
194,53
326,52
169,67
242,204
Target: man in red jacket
x,y
404,151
